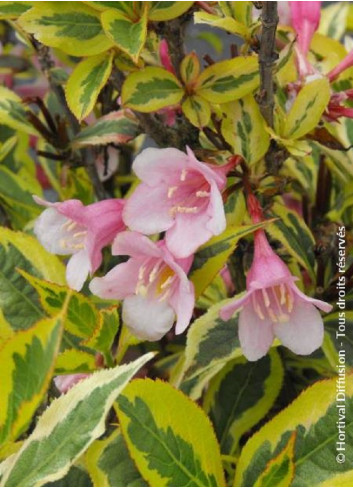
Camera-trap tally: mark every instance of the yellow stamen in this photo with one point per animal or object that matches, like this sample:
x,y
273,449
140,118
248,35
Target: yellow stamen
x,y
283,291
171,191
80,234
272,315
258,308
141,272
63,243
167,282
290,301
183,174
154,273
202,193
266,297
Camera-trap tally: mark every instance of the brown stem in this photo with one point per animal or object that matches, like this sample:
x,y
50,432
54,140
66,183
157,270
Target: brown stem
x,y
323,190
267,57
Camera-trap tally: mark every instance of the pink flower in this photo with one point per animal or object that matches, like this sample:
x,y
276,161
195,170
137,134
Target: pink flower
x,y
70,228
343,65
274,306
178,194
64,382
153,284
305,18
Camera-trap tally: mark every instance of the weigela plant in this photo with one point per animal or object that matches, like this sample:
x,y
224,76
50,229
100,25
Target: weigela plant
x,y
176,246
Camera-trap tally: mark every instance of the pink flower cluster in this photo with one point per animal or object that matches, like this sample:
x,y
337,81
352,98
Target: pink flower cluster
x,y
178,195
182,197
305,19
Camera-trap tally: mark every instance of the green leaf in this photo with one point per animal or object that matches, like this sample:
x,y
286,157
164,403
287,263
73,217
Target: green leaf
x,y
12,112
307,109
190,68
238,10
168,451
225,23
109,463
212,256
128,34
73,27
211,343
81,318
243,127
228,80
73,361
197,110
103,336
294,235
12,10
76,477
280,470
117,127
18,299
16,197
27,364
68,426
241,395
86,82
167,10
151,89
333,20
312,419
124,7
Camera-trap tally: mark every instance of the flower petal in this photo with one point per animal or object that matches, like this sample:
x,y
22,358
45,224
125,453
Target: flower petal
x,y
183,303
188,233
255,334
118,283
217,221
77,269
227,311
147,210
304,332
135,244
324,306
50,231
148,319
155,165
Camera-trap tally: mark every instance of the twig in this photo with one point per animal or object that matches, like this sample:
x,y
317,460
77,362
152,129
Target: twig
x,y
267,57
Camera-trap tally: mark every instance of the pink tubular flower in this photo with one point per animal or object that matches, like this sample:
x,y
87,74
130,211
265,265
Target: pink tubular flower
x,y
343,65
153,284
178,194
274,306
70,228
305,18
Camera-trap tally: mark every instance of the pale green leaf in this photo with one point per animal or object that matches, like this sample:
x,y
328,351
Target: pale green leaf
x,y
67,428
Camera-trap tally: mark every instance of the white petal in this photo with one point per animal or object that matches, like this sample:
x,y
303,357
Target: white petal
x,y
217,222
154,165
148,319
255,334
50,231
304,332
77,270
